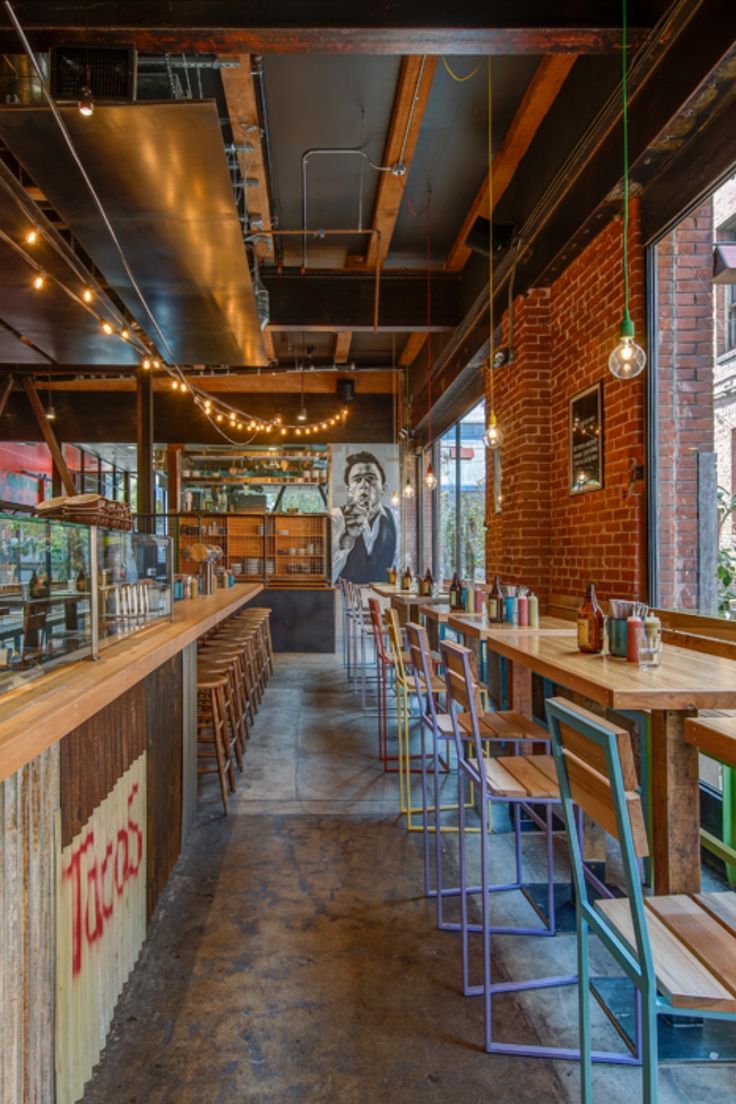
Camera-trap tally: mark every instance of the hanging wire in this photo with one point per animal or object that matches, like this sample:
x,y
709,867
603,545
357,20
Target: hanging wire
x,y
428,249
455,76
490,234
625,95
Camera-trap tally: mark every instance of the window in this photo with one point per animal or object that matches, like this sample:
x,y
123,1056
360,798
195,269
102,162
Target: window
x,y
460,506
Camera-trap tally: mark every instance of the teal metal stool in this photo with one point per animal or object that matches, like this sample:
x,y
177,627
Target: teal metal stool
x,y
678,951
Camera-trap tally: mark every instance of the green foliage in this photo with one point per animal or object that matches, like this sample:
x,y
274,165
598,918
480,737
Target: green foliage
x,y
726,567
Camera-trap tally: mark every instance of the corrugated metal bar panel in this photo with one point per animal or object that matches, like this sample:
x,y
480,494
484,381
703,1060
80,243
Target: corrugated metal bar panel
x,y
101,925
29,803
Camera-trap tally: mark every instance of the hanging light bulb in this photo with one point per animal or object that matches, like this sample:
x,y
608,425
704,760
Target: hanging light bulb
x,y
302,415
106,328
430,479
628,359
146,364
156,362
125,333
86,104
39,281
395,499
31,236
50,412
88,295
408,488
492,435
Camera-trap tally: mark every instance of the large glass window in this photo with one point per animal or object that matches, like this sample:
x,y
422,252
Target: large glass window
x,y
460,506
693,393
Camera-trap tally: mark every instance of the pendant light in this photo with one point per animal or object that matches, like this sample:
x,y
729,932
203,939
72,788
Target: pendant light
x,y
430,479
492,435
628,359
408,491
395,496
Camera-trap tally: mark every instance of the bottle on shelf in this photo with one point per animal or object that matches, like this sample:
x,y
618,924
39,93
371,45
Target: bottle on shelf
x,y
590,623
456,593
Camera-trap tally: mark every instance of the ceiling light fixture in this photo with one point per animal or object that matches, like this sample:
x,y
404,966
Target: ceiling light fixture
x,y
106,328
628,359
86,105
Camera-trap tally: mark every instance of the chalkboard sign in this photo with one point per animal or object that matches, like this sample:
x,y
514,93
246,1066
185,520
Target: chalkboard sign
x,y
586,440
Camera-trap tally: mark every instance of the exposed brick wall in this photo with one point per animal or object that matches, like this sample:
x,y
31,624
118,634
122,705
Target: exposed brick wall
x,y
545,537
684,398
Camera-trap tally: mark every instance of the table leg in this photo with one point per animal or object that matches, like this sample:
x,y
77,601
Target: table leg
x,y
675,805
433,633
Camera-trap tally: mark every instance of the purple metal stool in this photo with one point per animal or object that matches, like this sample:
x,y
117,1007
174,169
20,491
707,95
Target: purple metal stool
x,y
522,782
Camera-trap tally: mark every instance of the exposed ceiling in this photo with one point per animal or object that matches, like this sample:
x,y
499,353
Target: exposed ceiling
x,y
207,171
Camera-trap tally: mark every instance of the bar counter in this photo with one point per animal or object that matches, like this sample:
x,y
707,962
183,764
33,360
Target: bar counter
x,y
35,716
98,791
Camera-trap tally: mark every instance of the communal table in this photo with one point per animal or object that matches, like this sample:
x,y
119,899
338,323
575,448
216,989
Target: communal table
x,y
435,616
407,602
685,682
476,630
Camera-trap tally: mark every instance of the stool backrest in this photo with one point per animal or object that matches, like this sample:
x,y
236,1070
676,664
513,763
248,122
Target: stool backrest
x,y
462,695
421,666
393,628
596,771
377,624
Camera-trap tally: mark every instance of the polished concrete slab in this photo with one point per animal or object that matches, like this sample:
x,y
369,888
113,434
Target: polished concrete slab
x,y
294,958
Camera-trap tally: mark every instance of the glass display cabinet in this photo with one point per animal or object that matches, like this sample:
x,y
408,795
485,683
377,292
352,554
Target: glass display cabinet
x,y
66,589
134,581
45,596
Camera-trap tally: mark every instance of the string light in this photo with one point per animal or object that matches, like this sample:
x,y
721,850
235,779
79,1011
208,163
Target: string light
x,y
39,281
106,328
125,333
408,488
146,364
88,295
32,236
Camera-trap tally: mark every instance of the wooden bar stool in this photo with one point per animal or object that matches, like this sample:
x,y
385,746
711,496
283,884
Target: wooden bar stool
x,y
211,738
215,657
263,616
246,640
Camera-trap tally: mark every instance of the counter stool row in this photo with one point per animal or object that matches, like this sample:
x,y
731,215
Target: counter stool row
x,y
234,663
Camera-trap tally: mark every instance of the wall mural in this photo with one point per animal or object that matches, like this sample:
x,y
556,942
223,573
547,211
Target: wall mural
x,y
365,527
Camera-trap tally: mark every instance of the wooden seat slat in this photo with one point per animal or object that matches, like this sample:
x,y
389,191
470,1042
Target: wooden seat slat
x,y
528,773
680,976
500,781
708,940
721,906
713,735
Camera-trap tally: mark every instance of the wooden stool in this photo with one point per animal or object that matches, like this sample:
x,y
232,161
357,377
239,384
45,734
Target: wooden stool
x,y
211,711
217,661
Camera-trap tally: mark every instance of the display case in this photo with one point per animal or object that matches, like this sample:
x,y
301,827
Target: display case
x,y
46,571
66,589
134,581
283,549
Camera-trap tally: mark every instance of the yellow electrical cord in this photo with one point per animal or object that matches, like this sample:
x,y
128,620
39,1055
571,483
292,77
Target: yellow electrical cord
x,y
455,77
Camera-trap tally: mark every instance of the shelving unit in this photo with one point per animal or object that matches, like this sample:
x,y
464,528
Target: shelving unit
x,y
284,550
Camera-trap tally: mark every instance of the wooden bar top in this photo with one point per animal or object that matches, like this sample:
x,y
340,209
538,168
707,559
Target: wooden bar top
x,y
685,679
479,627
35,716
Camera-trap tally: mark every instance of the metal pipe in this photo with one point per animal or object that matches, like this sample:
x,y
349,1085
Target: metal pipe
x,y
305,162
260,91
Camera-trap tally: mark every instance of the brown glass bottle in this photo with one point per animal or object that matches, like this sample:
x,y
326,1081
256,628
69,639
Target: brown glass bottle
x,y
498,594
590,623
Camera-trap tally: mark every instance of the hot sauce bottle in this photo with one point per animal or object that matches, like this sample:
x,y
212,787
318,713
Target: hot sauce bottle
x,y
590,623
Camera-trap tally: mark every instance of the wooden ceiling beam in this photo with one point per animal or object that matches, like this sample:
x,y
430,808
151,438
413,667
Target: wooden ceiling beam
x,y
542,92
49,436
269,346
343,341
240,96
367,382
410,103
411,350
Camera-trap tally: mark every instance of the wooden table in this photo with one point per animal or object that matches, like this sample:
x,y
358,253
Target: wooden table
x,y
685,682
435,616
407,602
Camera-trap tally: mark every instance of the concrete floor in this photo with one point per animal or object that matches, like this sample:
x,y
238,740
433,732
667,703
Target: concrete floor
x,y
293,957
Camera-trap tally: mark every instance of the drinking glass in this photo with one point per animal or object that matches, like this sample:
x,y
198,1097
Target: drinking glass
x,y
650,648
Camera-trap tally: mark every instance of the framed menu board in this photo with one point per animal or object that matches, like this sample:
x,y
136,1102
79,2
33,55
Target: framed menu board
x,y
586,440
